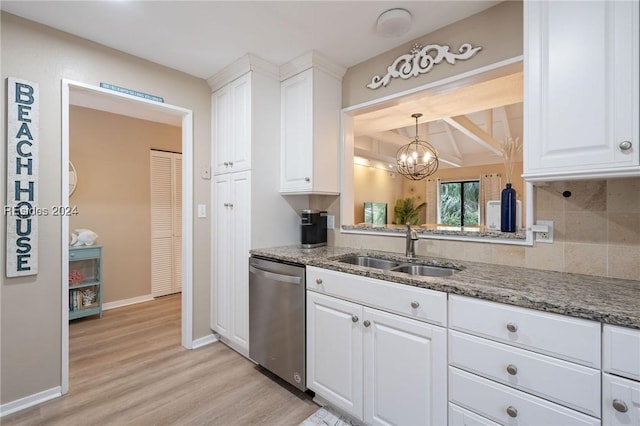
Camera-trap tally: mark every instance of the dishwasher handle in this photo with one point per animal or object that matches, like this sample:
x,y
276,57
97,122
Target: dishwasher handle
x,y
290,279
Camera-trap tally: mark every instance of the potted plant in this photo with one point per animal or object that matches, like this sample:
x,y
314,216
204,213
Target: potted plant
x,y
406,211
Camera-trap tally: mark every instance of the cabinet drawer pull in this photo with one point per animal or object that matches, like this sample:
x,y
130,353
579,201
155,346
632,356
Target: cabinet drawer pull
x,y
226,204
354,318
230,163
415,305
625,145
318,281
231,205
620,406
512,369
512,412
307,179
366,323
512,327
226,164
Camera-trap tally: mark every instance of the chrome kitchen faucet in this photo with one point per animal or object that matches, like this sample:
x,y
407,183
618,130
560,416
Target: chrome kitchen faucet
x,y
412,237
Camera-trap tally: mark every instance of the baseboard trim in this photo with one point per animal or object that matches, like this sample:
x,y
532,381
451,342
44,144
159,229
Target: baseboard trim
x,y
126,302
30,401
203,341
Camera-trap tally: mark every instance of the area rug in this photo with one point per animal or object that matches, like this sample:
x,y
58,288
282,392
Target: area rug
x,y
328,416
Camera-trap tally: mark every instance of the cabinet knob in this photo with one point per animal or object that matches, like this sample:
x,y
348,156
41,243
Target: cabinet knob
x,y
226,204
625,145
226,164
415,305
354,318
230,163
231,205
318,281
512,327
512,369
511,411
366,323
620,406
307,179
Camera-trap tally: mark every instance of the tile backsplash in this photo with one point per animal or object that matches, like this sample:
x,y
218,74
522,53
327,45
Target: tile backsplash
x,y
596,232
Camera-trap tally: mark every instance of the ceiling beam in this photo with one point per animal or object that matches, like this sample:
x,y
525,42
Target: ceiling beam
x,y
470,129
502,113
399,140
452,140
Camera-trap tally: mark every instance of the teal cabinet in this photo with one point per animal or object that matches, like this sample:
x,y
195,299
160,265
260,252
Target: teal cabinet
x,y
85,281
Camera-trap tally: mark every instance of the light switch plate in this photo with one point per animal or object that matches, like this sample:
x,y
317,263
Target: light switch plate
x,y
202,210
331,221
205,171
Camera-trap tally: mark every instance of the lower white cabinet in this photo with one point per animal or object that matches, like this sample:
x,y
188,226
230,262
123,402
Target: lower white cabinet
x,y
621,376
378,367
231,207
458,416
620,401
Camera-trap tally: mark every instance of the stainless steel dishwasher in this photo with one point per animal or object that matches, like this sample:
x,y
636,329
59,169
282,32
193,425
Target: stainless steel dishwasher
x,y
277,318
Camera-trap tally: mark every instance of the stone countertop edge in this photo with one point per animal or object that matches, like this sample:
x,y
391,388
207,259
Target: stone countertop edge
x,y
607,300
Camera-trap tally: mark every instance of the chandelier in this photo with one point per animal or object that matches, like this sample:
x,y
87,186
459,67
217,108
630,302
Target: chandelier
x,y
417,159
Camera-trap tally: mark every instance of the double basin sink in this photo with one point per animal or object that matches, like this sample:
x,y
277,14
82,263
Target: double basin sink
x,y
397,266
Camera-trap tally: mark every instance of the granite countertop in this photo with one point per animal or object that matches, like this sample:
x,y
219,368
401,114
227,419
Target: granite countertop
x,y
608,300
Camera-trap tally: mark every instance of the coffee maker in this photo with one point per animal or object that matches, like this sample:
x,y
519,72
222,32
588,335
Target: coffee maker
x,y
313,228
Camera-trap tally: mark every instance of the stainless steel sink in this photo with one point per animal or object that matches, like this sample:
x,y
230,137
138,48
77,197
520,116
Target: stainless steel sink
x,y
370,262
403,267
424,270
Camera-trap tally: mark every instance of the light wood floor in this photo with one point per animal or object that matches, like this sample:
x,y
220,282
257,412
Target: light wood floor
x,y
129,368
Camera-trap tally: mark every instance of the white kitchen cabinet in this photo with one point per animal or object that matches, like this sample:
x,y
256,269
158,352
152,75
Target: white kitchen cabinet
x,y
458,416
231,125
581,89
621,376
378,367
311,97
620,401
334,352
245,125
512,364
232,228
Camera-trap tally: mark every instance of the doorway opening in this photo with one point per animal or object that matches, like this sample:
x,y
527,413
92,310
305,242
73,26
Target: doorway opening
x,y
75,93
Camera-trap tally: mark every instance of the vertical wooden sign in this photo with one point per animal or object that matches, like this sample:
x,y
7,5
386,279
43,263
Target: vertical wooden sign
x,y
21,209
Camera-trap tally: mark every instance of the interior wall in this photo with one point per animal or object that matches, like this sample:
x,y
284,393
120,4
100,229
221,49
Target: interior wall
x,y
374,185
117,206
31,355
498,30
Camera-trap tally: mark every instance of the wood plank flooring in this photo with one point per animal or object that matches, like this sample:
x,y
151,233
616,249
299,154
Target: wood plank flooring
x,y
128,368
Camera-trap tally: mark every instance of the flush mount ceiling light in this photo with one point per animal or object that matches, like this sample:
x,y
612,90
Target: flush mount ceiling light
x,y
417,159
393,22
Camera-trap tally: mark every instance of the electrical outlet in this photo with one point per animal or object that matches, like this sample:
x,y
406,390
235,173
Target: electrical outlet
x,y
545,237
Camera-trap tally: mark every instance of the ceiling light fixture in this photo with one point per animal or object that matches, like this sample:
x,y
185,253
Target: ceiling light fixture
x,y
417,159
393,22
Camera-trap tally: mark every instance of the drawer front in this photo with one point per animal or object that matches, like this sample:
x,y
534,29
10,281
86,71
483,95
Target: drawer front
x,y
620,401
621,351
561,336
84,253
506,405
418,303
458,416
569,384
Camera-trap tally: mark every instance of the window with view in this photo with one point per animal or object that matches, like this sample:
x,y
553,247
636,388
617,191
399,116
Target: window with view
x,y
459,203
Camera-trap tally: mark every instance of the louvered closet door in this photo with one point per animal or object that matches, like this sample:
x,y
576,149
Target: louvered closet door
x,y
166,223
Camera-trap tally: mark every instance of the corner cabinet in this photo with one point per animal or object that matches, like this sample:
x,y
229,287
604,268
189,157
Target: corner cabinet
x,y
581,90
310,128
365,359
85,281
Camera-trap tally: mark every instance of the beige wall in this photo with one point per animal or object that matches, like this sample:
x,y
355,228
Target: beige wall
x,y
374,185
498,30
31,306
111,155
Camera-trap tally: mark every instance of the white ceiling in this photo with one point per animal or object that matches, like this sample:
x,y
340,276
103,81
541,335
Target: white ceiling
x,y
202,37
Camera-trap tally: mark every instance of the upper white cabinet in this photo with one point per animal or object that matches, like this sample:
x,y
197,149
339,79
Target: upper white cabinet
x,y
311,94
231,123
581,90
